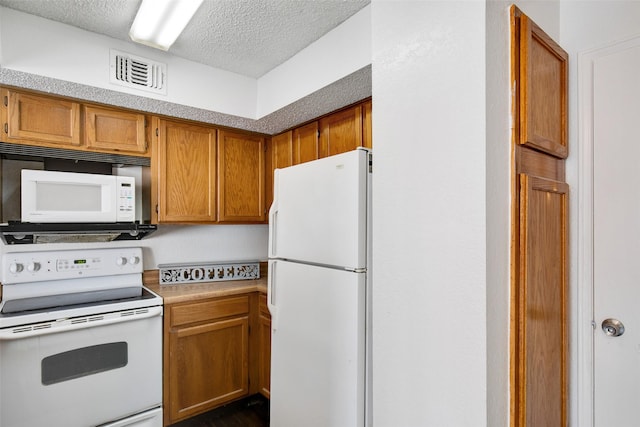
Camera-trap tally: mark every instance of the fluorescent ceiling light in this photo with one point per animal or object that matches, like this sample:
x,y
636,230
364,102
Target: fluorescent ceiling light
x,y
159,22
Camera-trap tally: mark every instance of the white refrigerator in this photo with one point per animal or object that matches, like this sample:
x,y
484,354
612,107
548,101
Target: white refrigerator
x,y
318,292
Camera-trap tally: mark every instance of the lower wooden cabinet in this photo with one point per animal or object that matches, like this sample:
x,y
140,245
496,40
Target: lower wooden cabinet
x,y
264,348
206,355
216,350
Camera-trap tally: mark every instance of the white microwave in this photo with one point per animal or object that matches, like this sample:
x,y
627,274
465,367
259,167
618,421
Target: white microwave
x,y
51,196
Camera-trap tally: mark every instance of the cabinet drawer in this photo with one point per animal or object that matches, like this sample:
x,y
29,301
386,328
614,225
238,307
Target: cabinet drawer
x,y
208,310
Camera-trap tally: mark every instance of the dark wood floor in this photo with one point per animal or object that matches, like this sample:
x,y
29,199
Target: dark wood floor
x,y
250,412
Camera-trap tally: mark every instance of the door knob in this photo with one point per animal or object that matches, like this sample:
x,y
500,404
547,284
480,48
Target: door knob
x,y
612,327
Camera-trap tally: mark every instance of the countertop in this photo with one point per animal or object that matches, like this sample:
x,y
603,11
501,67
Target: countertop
x,y
195,291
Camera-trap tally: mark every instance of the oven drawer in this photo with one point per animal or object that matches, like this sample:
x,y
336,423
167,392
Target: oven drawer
x,y
152,418
208,310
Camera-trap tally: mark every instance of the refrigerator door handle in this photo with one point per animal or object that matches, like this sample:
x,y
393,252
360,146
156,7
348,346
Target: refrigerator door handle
x,y
273,228
271,295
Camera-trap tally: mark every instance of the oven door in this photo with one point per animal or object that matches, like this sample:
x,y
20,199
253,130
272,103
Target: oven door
x,y
84,375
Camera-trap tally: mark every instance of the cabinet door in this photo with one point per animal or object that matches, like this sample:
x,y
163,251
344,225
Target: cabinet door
x,y
280,155
542,90
208,366
305,143
264,357
341,131
542,304
241,187
113,130
41,119
186,172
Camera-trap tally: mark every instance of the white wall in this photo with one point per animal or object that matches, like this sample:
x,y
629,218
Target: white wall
x,y
345,49
39,46
429,277
498,187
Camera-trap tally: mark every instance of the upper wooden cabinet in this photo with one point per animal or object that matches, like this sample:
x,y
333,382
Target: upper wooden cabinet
x,y
241,171
39,119
49,121
279,155
367,135
184,172
341,132
542,69
204,175
336,133
306,143
282,150
114,130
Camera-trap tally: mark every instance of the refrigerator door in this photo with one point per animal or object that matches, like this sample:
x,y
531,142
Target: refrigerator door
x,y
319,212
317,346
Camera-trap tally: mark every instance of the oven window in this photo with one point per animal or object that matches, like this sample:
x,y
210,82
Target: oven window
x,y
83,361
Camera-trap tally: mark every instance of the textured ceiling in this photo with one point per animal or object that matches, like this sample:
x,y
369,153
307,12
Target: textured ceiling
x,y
249,37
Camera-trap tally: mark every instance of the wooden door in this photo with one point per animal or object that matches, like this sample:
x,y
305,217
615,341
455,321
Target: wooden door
x,y
186,172
208,366
539,323
542,88
543,303
305,143
241,183
114,130
341,132
49,121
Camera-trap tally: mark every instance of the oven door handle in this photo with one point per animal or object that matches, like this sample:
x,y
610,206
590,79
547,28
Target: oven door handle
x,y
77,323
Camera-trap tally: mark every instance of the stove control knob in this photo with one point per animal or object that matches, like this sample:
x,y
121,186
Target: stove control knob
x,y
33,266
15,267
121,260
134,260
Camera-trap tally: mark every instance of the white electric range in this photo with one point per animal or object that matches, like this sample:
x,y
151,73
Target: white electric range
x,y
80,340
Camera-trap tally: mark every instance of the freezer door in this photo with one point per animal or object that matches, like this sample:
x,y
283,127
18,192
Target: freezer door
x,y
319,212
317,346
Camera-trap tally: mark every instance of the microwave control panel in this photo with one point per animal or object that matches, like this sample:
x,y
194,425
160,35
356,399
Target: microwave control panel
x,y
126,194
22,267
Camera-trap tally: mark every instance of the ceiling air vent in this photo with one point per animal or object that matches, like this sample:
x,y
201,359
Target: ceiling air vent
x,y
137,72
